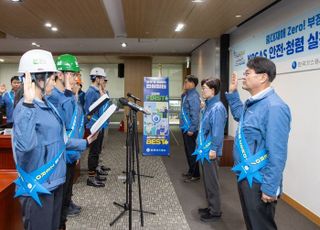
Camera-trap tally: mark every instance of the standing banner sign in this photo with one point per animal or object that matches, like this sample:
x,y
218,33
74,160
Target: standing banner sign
x,y
156,135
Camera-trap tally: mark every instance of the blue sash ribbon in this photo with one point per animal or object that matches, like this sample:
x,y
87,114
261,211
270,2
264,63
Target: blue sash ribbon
x,y
10,96
81,127
71,133
186,121
30,183
203,145
250,164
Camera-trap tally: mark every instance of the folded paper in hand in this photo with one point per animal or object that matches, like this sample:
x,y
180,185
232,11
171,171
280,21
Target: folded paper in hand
x,y
104,117
98,103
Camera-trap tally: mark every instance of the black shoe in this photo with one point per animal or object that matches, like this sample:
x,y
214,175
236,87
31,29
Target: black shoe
x,y
73,205
104,168
73,211
92,181
203,211
186,175
100,178
210,217
191,179
101,172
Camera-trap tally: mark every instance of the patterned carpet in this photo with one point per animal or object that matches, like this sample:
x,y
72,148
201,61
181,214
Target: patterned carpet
x,y
97,203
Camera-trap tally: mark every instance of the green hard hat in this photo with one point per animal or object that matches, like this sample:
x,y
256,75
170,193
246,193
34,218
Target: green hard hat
x,y
67,62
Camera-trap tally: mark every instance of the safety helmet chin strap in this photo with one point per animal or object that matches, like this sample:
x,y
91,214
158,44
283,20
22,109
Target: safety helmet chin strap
x,y
36,81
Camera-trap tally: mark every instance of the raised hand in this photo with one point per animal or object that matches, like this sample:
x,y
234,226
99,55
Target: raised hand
x,y
67,84
2,88
234,82
29,89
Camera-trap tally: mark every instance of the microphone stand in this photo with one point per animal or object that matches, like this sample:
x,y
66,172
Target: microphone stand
x,y
138,151
131,152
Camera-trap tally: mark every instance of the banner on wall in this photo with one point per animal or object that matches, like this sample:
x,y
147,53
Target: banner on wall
x,y
156,135
294,46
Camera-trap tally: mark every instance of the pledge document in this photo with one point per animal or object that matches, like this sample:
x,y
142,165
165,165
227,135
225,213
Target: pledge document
x,y
98,103
104,117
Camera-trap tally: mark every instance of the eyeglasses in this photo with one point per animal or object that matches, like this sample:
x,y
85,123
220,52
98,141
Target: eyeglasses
x,y
205,88
72,74
247,73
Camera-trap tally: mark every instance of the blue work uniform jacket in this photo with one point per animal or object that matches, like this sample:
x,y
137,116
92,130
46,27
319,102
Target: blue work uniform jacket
x,y
38,136
7,100
266,125
214,117
190,102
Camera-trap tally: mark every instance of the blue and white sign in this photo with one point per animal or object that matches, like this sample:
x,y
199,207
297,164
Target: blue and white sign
x,y
156,136
294,46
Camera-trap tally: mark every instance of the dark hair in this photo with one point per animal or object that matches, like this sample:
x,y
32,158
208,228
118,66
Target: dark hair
x,y
192,78
18,95
15,78
263,65
212,83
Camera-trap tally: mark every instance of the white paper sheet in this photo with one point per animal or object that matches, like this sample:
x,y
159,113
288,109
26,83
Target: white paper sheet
x,y
98,102
97,125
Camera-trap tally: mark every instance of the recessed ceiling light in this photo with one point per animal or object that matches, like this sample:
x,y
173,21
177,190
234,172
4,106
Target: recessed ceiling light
x,y
1,60
124,45
16,0
48,24
197,1
179,27
54,28
35,44
238,16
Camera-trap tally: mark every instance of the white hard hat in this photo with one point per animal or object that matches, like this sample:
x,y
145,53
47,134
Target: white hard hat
x,y
97,71
37,61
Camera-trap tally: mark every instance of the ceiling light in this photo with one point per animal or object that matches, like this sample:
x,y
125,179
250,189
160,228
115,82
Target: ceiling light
x,y
124,45
16,0
197,1
54,28
179,27
1,60
35,44
238,16
48,24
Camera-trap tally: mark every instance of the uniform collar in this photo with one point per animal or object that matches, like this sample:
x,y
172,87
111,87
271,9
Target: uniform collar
x,y
94,87
260,96
211,101
190,91
58,90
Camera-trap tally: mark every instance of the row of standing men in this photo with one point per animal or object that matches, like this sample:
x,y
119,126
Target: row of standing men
x,y
260,147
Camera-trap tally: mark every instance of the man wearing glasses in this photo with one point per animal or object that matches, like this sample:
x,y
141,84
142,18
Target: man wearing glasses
x,y
260,149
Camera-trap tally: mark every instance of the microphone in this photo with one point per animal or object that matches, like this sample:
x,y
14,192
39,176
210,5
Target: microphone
x,y
133,106
133,97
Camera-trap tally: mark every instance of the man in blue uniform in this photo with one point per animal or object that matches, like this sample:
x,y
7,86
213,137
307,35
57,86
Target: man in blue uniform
x,y
7,98
260,150
63,99
189,124
94,92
